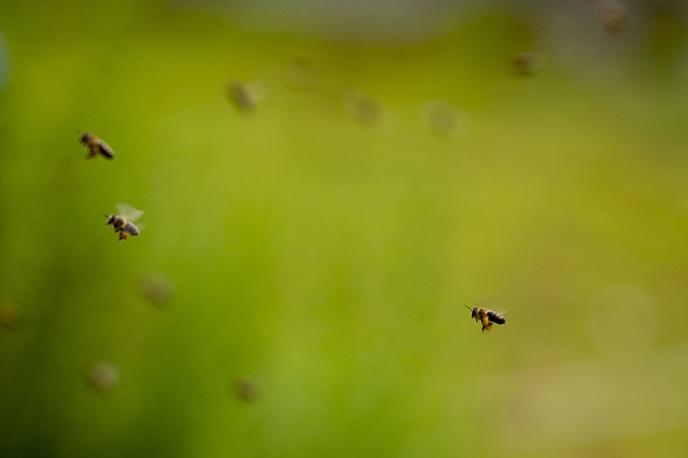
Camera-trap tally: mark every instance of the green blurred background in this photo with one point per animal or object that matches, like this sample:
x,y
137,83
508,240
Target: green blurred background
x,y
326,262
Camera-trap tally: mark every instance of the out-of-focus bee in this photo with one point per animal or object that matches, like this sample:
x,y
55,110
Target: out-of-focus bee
x,y
301,74
123,221
246,390
245,97
442,118
156,289
613,15
10,317
525,64
364,108
486,316
96,147
101,377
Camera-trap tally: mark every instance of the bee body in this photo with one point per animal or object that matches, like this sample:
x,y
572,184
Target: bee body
x,y
96,147
486,317
124,225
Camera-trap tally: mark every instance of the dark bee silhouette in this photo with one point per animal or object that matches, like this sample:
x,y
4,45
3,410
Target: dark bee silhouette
x,y
486,316
123,221
96,147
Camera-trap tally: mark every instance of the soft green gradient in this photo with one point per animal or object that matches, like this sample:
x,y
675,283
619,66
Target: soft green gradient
x,y
330,262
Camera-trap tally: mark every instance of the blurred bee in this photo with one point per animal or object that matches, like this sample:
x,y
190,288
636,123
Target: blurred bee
x,y
486,316
301,74
245,97
96,146
156,289
613,15
525,64
10,317
442,119
364,109
101,377
246,390
123,221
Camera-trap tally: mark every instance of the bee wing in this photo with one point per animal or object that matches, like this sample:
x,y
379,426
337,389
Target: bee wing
x,y
257,90
129,212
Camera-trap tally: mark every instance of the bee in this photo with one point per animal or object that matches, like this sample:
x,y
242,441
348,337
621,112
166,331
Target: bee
x,y
364,108
96,146
246,390
245,96
613,15
486,316
10,317
525,64
123,221
156,289
101,377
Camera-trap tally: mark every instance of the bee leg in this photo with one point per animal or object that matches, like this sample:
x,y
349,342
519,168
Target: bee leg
x,y
487,327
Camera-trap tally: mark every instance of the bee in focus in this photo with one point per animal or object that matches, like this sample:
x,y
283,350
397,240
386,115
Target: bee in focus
x,y
123,221
486,316
96,147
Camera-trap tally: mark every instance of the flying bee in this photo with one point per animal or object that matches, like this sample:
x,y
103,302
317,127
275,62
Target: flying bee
x,y
123,221
525,64
245,96
96,146
486,316
613,15
246,390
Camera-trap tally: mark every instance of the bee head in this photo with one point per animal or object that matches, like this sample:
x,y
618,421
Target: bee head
x,y
474,311
85,138
110,218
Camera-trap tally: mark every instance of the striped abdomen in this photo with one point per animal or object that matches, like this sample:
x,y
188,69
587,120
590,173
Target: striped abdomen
x,y
496,317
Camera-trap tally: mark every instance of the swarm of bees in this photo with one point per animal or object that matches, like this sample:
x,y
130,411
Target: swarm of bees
x,y
123,221
96,147
486,316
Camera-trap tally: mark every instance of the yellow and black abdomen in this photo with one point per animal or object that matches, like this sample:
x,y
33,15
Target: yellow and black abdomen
x,y
495,317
